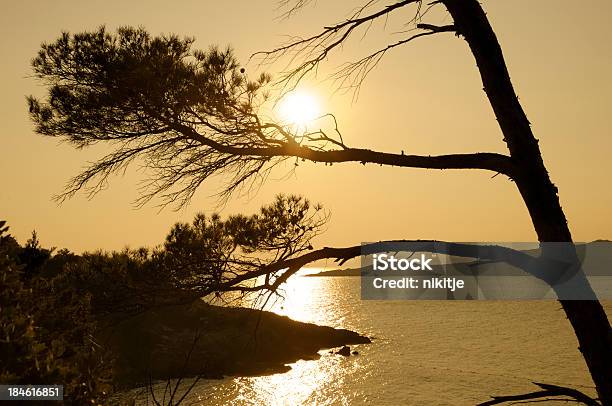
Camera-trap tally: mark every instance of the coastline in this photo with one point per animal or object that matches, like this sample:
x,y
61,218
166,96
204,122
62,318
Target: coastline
x,y
198,339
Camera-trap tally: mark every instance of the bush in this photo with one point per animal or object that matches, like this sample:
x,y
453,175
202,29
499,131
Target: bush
x,y
47,327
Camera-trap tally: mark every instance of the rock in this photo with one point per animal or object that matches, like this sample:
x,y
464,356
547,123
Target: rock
x,y
355,352
345,351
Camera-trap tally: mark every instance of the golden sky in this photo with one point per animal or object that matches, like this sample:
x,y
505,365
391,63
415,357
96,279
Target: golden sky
x,y
424,98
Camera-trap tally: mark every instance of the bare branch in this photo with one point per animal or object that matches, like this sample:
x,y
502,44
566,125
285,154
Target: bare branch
x,y
353,74
547,391
312,50
317,47
436,28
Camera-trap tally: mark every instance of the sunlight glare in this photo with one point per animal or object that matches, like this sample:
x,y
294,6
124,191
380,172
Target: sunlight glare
x,y
299,108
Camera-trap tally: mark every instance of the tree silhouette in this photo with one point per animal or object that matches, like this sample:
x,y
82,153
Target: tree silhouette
x,y
210,254
191,114
33,256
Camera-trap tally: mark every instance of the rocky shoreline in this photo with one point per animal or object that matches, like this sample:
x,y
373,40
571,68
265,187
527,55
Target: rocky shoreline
x,y
198,339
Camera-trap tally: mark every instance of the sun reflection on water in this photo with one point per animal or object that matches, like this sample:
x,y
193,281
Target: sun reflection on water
x,y
299,386
299,296
301,300
321,382
422,352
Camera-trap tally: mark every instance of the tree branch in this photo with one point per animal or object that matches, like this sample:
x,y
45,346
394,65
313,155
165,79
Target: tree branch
x,y
349,24
290,266
316,48
209,126
482,160
356,72
547,390
436,28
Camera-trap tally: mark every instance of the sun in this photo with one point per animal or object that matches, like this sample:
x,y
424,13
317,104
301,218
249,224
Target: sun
x,y
299,108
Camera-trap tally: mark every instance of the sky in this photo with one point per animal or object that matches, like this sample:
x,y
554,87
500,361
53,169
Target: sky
x,y
424,98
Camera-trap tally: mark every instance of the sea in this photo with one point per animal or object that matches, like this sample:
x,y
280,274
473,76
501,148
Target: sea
x,y
423,352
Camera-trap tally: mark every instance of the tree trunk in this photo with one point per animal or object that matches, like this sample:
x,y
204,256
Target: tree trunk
x,y
587,317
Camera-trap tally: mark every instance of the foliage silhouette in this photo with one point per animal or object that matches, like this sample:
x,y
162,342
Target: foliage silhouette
x,y
47,329
51,319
